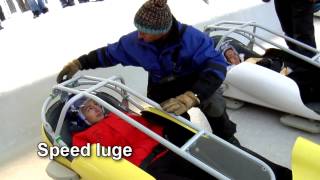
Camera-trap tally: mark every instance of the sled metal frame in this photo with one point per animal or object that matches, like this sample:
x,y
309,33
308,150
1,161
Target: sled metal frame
x,y
126,93
238,27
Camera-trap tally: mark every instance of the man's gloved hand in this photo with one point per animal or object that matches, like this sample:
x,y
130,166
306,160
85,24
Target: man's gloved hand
x,y
181,103
68,71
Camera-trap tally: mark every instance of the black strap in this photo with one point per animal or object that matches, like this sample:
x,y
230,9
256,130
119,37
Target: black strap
x,y
217,67
156,150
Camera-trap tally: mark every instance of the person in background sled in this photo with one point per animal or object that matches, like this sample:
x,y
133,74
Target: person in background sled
x,y
304,74
234,58
184,70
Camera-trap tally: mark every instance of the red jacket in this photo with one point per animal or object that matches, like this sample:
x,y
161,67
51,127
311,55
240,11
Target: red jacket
x,y
113,131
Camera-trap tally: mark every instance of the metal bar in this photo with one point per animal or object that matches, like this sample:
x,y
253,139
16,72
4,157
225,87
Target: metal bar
x,y
152,103
192,140
44,108
289,39
135,103
147,100
244,35
316,58
121,92
305,58
112,78
252,40
70,81
64,112
229,32
272,32
268,30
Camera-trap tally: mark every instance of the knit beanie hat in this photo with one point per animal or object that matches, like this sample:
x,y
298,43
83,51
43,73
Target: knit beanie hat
x,y
226,46
154,17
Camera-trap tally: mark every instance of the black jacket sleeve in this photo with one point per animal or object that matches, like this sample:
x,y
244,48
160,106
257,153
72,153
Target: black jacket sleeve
x,y
206,85
91,60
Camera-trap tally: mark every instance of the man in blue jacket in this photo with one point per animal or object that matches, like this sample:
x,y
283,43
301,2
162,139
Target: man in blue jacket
x,y
184,69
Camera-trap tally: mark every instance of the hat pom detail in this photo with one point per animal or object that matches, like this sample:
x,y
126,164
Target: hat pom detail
x,y
160,3
154,17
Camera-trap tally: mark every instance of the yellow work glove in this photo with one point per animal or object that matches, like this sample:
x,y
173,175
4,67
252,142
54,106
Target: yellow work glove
x,y
181,103
68,71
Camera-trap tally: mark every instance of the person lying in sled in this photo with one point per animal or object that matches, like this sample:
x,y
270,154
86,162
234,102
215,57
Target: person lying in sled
x,y
91,125
233,57
304,74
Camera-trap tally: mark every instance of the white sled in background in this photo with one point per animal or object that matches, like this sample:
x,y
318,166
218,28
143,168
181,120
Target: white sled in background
x,y
255,84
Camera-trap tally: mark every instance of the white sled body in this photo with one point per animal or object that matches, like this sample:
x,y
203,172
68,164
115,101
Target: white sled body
x,y
258,85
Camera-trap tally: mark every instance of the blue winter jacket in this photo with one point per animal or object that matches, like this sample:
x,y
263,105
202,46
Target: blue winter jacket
x,y
194,52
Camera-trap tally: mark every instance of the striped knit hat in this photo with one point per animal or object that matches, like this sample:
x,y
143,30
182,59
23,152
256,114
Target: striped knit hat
x,y
154,17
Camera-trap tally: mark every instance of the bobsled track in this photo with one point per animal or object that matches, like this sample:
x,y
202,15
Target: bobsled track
x,y
34,50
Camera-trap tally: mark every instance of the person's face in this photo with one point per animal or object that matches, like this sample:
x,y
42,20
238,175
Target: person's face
x,y
232,56
92,111
149,37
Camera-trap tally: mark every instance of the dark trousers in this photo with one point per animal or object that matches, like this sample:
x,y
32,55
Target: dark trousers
x,y
2,17
296,19
304,74
173,167
213,107
67,2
